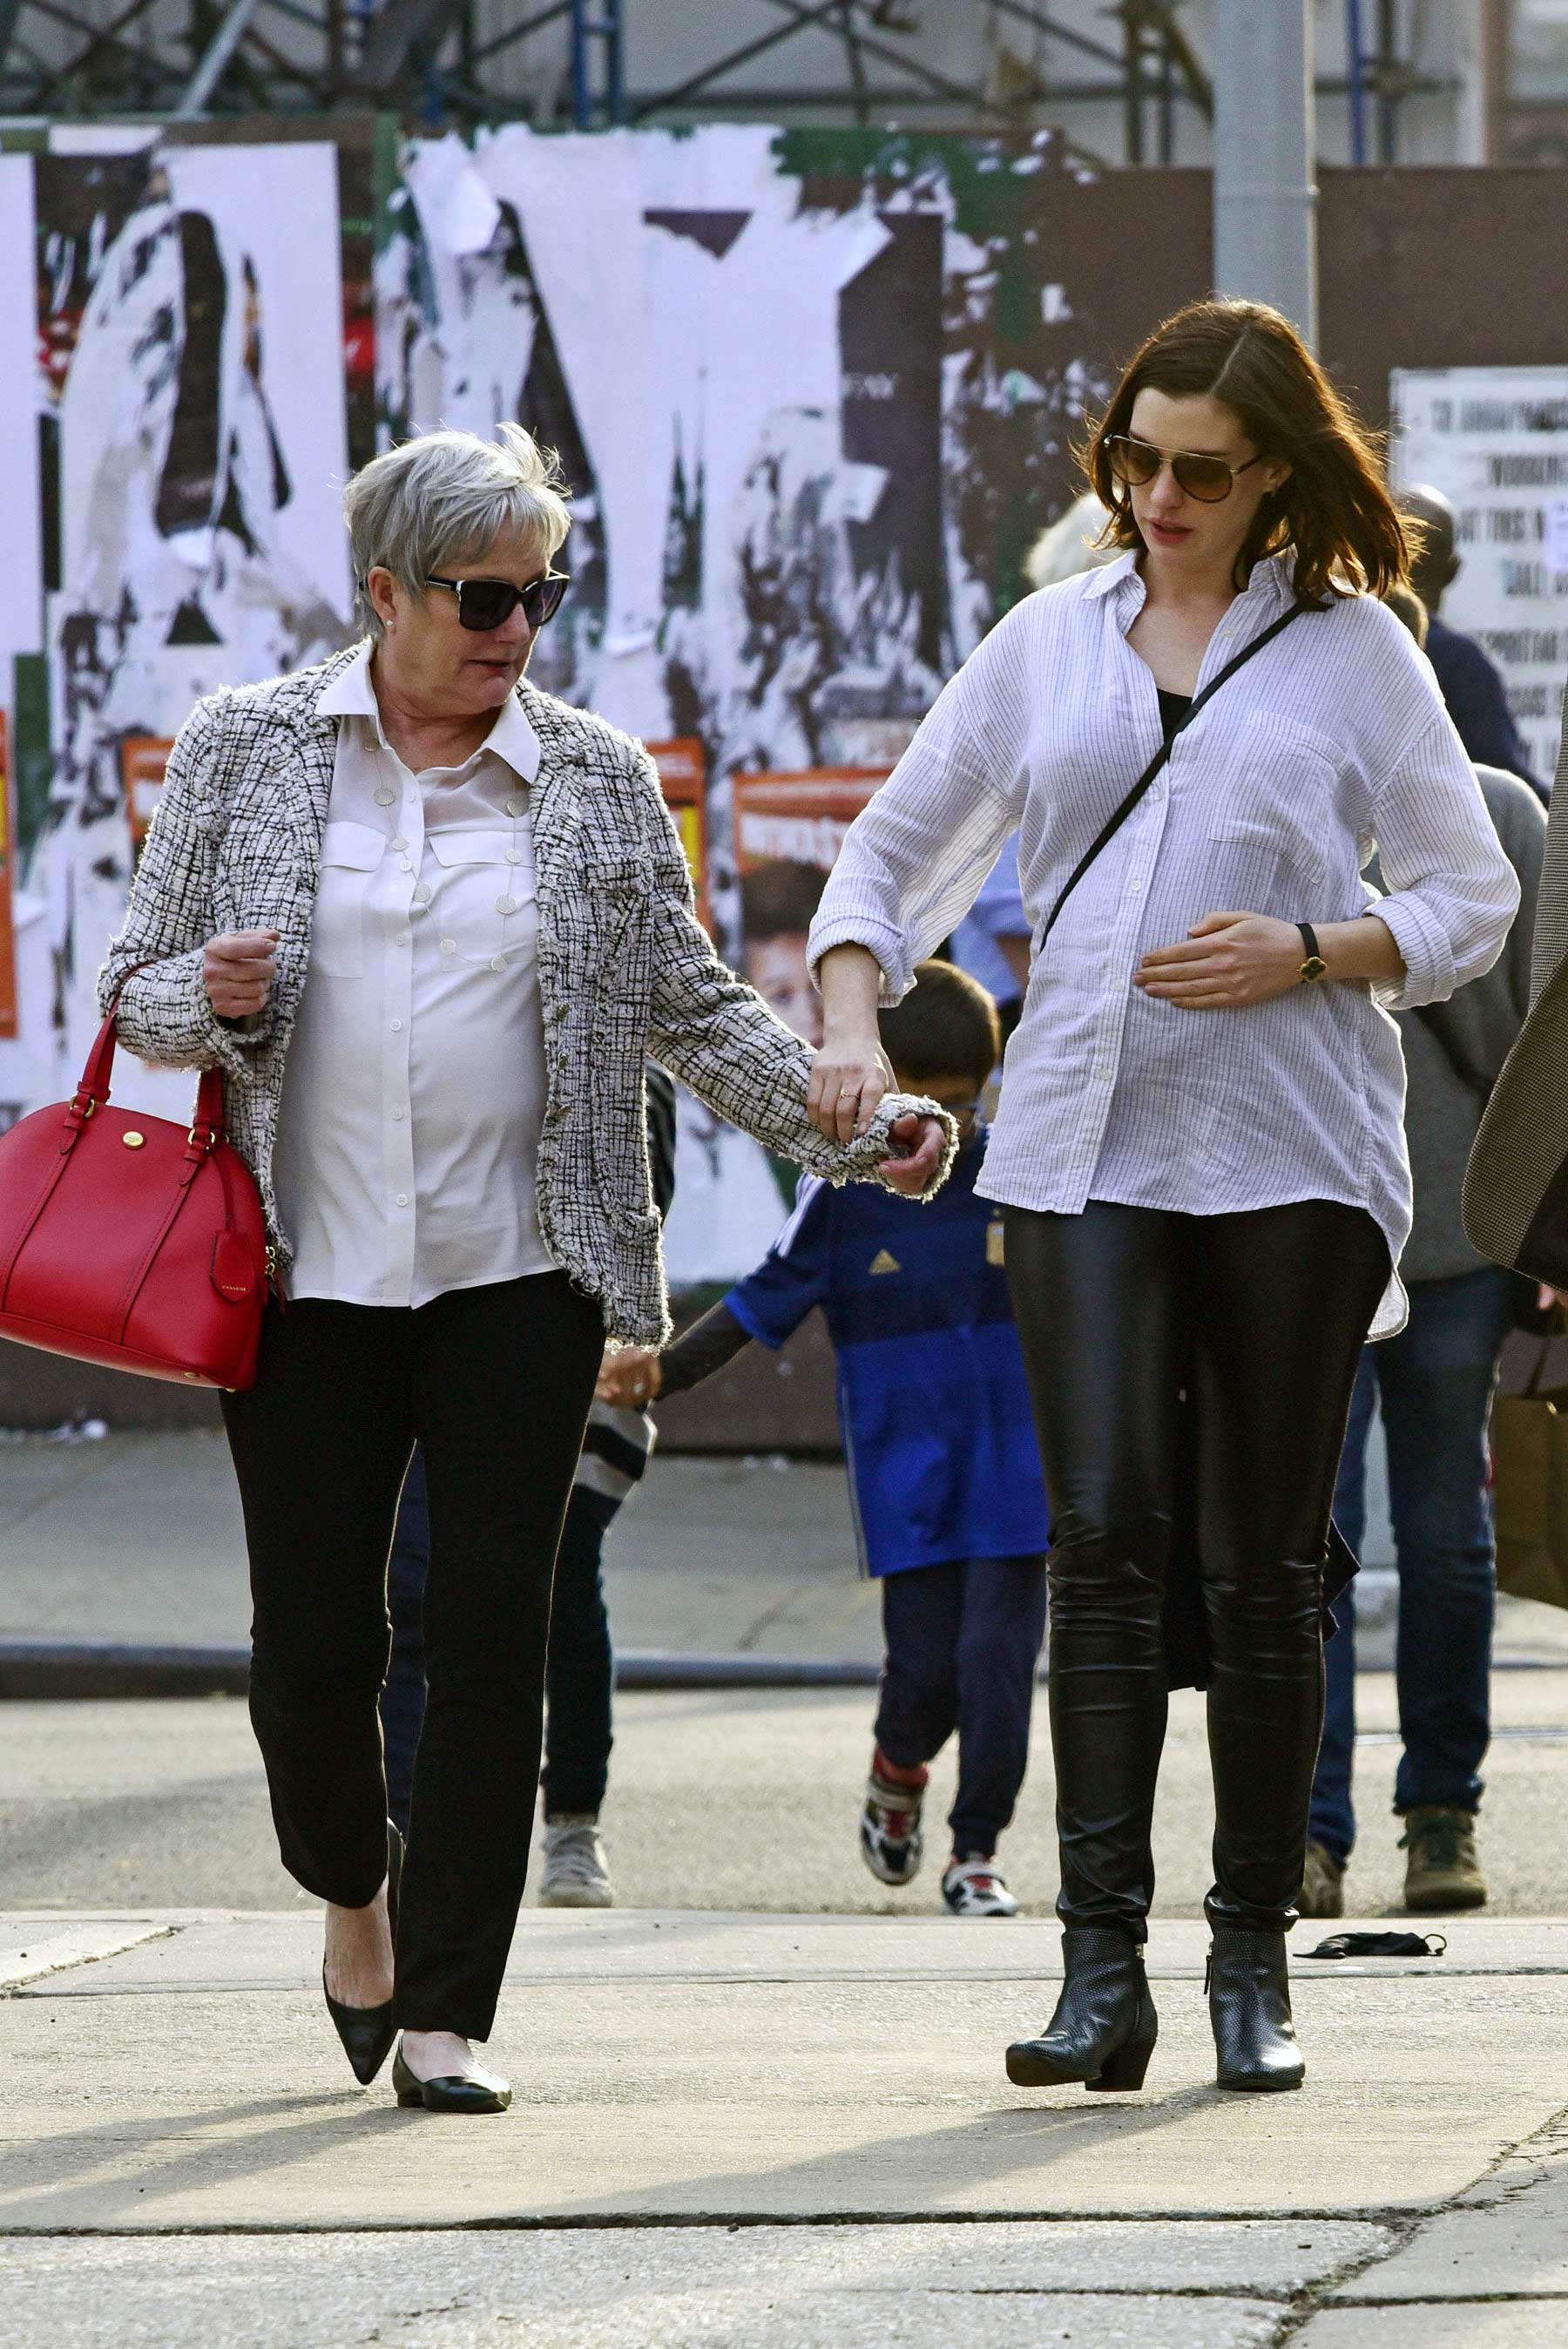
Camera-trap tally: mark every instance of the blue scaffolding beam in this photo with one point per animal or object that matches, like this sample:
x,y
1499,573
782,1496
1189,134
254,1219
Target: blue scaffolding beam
x,y
598,64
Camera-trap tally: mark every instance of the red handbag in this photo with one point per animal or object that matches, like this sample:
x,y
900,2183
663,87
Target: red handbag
x,y
131,1241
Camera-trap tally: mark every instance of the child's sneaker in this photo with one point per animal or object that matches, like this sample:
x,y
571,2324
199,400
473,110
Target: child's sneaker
x,y
971,1888
891,1843
576,1873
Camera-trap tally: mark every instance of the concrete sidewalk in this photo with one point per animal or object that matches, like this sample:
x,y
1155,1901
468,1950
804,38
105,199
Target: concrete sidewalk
x,y
788,2130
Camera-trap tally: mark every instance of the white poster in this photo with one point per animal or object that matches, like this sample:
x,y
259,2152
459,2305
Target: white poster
x,y
1495,441
193,405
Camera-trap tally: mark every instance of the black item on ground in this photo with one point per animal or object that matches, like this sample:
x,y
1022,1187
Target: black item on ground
x,y
1380,1945
1104,2028
1261,1317
494,1383
1248,1983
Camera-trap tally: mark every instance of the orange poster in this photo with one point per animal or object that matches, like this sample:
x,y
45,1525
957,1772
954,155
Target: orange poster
x,y
7,931
142,759
683,779
789,829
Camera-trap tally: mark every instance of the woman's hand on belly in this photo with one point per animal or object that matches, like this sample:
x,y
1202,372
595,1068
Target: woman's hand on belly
x,y
1226,960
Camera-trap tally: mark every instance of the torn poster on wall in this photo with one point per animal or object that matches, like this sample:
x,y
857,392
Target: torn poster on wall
x,y
814,403
814,394
191,419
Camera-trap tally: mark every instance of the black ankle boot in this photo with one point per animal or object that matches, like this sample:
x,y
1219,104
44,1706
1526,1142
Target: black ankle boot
x,y
1249,2006
1105,2026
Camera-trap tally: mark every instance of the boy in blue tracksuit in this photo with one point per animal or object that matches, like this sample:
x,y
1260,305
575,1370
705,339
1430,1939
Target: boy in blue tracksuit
x,y
939,1440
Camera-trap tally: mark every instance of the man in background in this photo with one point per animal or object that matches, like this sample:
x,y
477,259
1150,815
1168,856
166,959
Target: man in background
x,y
1435,1382
1471,685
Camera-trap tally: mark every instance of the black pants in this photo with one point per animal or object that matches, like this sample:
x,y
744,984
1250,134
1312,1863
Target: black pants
x,y
1260,1317
580,1666
495,1385
963,1646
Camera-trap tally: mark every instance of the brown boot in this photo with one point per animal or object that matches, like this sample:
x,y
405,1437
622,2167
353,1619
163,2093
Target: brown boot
x,y
1323,1884
1442,1871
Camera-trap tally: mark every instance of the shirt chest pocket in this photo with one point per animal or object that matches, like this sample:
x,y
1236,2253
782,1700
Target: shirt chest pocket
x,y
350,853
1276,809
482,895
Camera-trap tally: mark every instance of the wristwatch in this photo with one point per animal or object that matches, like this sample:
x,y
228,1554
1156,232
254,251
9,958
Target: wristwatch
x,y
1314,967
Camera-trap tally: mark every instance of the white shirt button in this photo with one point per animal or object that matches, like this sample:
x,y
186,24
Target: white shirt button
x,y
449,946
514,856
505,905
397,1027
403,937
1103,1070
515,804
399,1115
422,893
399,843
402,1198
498,963
385,797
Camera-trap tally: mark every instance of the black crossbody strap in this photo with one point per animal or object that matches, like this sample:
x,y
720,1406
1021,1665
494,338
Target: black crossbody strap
x,y
1113,824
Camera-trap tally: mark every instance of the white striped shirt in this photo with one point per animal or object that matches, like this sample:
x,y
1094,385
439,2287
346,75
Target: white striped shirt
x,y
1334,738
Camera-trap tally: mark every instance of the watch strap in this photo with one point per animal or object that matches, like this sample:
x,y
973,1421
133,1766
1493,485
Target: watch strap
x,y
1314,967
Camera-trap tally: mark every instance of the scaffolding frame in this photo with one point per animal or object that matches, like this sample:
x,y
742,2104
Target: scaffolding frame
x,y
429,60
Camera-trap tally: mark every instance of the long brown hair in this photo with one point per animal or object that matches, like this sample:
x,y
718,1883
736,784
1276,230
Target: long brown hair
x,y
1335,511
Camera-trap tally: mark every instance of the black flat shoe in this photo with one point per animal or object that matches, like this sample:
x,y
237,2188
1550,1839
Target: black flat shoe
x,y
1249,2005
1104,2029
367,2031
458,2092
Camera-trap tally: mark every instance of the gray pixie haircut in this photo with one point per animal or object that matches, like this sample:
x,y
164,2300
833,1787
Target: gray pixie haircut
x,y
448,496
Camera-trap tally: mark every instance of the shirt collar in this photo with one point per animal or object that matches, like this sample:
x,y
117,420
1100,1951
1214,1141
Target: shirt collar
x,y
351,693
1271,580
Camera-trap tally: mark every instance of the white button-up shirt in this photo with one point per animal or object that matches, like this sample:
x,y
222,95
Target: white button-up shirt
x,y
1333,739
413,1092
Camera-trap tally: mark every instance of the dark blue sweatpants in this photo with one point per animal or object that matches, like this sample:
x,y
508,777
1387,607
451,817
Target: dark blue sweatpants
x,y
580,1663
962,1647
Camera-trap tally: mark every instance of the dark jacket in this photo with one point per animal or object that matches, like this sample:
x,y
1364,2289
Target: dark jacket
x,y
1475,1031
1477,701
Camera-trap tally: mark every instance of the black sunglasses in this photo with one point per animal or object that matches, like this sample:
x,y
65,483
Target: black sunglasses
x,y
486,604
1208,478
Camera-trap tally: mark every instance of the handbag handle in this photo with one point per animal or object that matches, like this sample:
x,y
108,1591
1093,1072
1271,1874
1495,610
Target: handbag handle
x,y
1113,824
93,1088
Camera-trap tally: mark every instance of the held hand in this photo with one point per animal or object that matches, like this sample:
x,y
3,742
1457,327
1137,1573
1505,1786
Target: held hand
x,y
1226,960
849,1079
921,1140
238,970
630,1378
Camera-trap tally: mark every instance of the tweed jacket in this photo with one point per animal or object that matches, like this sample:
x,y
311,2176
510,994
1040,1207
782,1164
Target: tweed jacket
x,y
1516,1185
624,971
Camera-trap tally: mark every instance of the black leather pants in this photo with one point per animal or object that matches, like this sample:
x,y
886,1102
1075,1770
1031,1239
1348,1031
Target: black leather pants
x,y
1260,1317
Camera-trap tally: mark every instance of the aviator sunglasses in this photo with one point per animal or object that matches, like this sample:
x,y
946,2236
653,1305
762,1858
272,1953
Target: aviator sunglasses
x,y
1208,478
485,604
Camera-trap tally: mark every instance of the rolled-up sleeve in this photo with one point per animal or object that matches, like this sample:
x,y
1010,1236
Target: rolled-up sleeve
x,y
1452,894
913,860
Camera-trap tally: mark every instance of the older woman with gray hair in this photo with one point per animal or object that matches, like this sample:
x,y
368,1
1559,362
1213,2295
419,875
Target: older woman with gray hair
x,y
428,922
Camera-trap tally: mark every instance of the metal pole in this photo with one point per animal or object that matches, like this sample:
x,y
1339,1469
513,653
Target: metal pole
x,y
214,64
1356,70
1265,195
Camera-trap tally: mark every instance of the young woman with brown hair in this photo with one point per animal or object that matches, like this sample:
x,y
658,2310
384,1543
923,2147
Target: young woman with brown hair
x,y
1199,1147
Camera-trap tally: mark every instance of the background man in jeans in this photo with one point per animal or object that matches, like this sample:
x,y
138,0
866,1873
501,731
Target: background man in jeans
x,y
1435,1381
